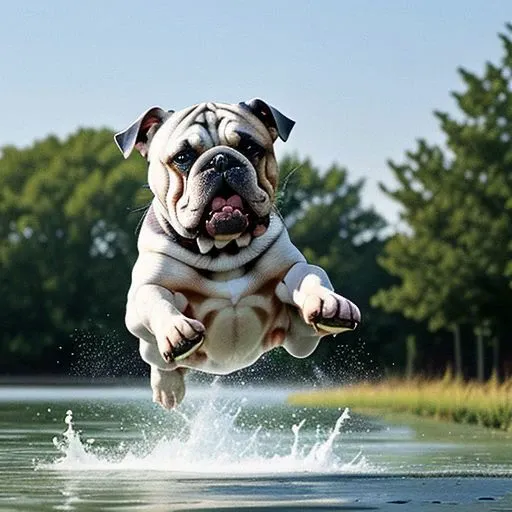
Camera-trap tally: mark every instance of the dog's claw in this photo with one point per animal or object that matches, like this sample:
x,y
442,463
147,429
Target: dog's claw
x,y
186,347
168,357
334,325
329,313
184,337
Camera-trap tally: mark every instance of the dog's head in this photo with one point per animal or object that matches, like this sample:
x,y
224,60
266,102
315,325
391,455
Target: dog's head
x,y
212,168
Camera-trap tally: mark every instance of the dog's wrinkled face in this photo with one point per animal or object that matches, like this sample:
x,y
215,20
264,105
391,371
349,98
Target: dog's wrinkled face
x,y
215,172
212,168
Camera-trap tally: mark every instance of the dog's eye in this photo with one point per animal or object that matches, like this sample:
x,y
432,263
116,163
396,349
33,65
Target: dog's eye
x,y
250,149
184,159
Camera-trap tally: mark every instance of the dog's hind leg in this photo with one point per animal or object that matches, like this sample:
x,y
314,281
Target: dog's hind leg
x,y
167,380
168,386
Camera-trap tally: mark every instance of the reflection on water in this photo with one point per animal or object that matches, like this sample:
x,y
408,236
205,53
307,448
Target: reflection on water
x,y
235,449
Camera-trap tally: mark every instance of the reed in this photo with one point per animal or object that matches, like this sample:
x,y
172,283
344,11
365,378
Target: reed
x,y
488,404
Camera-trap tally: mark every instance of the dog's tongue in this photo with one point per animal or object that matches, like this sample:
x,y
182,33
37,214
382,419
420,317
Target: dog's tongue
x,y
227,218
219,203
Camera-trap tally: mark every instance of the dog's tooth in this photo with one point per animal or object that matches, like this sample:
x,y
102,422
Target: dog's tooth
x,y
220,244
205,244
200,118
244,240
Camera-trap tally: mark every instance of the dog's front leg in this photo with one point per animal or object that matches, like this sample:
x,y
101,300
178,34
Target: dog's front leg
x,y
308,288
155,315
160,311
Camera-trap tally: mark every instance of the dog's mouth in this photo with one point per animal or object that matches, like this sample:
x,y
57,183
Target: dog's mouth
x,y
229,218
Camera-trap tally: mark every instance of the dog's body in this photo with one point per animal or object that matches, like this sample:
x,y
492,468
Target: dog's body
x,y
218,282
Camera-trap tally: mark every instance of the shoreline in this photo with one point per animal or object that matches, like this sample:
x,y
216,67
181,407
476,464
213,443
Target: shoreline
x,y
488,404
62,380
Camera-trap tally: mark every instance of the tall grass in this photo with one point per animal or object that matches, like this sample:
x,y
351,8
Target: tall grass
x,y
488,404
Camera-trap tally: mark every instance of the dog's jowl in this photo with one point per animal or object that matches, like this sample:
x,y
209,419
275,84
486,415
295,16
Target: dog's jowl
x,y
217,282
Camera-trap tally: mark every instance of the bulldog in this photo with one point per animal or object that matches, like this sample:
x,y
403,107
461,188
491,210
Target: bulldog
x,y
218,282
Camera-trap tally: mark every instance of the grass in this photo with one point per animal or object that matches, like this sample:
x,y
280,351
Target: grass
x,y
488,404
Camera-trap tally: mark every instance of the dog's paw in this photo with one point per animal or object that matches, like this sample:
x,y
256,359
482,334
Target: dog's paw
x,y
179,338
168,387
324,309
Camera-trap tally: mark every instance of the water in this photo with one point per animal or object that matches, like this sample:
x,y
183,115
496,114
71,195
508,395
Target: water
x,y
94,449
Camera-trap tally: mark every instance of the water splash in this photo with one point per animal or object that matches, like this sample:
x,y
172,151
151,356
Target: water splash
x,y
74,450
213,441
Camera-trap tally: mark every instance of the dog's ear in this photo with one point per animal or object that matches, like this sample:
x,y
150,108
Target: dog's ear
x,y
139,134
277,123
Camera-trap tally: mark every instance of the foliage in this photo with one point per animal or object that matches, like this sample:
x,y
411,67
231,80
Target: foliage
x,y
328,222
66,245
488,404
68,242
453,257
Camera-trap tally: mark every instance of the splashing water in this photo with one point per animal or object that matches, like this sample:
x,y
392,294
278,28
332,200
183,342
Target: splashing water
x,y
211,443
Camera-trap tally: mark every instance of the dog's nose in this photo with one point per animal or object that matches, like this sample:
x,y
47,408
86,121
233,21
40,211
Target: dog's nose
x,y
219,162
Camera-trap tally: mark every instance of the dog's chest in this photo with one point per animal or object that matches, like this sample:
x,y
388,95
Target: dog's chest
x,y
243,319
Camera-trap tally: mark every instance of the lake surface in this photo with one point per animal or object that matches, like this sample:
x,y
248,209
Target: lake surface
x,y
235,448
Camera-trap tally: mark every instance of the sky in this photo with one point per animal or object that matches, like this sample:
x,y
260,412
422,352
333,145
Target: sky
x,y
361,78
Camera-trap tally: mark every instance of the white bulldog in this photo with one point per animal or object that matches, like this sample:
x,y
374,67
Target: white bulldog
x,y
217,282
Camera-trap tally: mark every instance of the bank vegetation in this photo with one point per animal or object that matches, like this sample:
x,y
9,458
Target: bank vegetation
x,y
487,404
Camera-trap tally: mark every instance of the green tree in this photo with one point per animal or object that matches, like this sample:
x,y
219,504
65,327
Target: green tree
x,y
329,224
452,258
68,242
65,249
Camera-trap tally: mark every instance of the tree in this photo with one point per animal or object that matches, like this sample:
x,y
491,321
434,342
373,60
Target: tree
x,y
66,245
452,259
68,242
328,223
426,258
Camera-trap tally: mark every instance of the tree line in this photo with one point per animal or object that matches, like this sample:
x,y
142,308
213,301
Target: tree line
x,y
435,294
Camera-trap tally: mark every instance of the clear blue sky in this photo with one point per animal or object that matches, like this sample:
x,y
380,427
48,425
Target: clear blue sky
x,y
360,77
